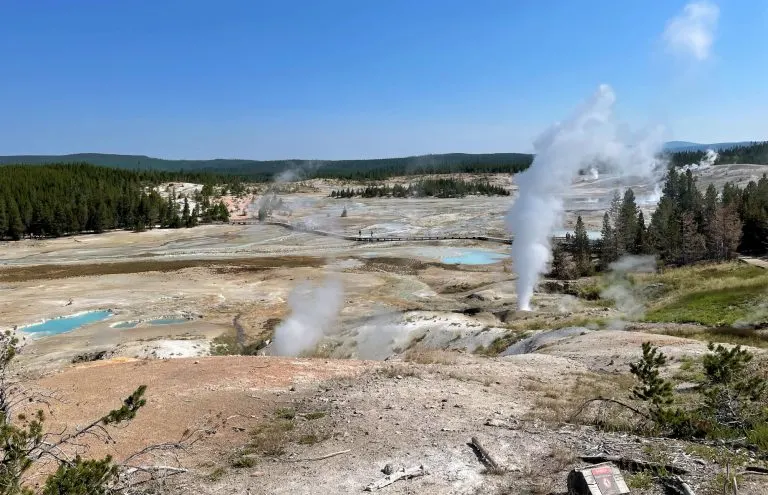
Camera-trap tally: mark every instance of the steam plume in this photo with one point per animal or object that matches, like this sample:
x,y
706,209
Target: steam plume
x,y
628,301
313,312
589,136
707,161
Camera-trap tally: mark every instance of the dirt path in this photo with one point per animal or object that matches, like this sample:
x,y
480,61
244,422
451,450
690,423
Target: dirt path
x,y
759,262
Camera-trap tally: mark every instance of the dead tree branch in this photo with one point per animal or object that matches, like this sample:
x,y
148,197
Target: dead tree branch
x,y
483,455
612,401
326,456
402,474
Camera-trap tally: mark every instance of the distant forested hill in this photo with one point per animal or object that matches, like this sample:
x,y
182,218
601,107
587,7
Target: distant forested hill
x,y
265,169
681,153
674,146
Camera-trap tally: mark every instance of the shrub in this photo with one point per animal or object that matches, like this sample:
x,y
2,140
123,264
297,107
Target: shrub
x,y
732,397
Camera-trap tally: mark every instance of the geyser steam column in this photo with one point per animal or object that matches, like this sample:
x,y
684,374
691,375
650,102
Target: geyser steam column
x,y
537,211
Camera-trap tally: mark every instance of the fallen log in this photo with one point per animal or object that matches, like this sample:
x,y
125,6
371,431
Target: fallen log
x,y
401,474
676,485
633,464
326,456
484,456
755,470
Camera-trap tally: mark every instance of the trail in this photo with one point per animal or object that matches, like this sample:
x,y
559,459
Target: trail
x,y
758,262
499,240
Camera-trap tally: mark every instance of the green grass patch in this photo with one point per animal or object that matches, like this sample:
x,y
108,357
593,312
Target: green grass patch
x,y
715,307
285,413
641,481
501,343
759,437
314,415
217,474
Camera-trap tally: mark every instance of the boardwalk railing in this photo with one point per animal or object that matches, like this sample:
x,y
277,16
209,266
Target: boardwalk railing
x,y
371,238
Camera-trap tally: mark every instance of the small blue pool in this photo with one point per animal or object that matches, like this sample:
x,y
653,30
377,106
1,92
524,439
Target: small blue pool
x,y
65,324
473,257
167,321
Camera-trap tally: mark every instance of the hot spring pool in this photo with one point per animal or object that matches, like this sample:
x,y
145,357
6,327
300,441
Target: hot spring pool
x,y
65,324
473,257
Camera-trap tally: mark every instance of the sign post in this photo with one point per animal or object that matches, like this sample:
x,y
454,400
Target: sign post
x,y
600,479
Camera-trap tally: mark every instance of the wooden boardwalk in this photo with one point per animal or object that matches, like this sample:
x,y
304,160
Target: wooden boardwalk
x,y
371,238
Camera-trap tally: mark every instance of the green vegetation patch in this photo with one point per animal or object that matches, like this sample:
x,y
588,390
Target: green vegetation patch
x,y
714,307
500,344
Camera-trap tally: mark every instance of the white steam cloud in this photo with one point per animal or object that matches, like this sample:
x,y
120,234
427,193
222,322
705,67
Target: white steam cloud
x,y
693,31
709,159
298,171
628,301
589,136
654,196
313,313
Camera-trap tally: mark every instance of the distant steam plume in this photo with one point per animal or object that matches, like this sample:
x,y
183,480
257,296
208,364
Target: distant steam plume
x,y
589,136
313,312
298,171
709,159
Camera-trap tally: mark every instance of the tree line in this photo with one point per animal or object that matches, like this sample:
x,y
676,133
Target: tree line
x,y
54,200
687,226
756,153
439,188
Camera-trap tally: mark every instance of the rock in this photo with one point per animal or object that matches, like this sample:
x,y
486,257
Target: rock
x,y
196,362
388,469
91,356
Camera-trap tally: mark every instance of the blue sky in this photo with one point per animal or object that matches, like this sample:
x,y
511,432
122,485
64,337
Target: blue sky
x,y
362,78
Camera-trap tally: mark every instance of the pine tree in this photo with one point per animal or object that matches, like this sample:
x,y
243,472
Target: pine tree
x,y
625,226
3,219
608,243
223,212
185,217
15,225
563,266
640,244
693,243
195,215
582,250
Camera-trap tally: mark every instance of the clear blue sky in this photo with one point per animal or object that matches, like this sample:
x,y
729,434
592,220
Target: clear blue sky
x,y
360,78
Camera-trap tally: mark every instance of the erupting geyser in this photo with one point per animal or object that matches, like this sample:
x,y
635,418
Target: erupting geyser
x,y
561,152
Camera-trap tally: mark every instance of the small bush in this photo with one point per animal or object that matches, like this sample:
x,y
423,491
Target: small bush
x,y
285,413
732,396
217,474
271,438
641,481
430,356
241,461
315,415
758,436
310,439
